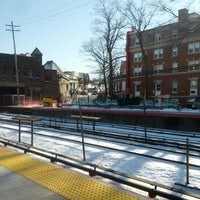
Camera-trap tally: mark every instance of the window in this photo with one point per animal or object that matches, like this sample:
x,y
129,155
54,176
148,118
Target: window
x,y
37,73
48,78
137,89
174,87
157,37
158,53
175,51
138,57
137,71
193,29
193,87
174,34
174,67
137,42
157,88
194,65
158,69
194,47
123,85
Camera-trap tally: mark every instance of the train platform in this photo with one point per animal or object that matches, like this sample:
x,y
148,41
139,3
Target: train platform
x,y
24,177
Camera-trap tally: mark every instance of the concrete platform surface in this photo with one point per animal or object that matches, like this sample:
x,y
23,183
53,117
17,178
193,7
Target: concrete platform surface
x,y
23,177
16,187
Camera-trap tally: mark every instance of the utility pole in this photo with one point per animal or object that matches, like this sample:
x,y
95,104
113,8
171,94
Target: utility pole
x,y
12,28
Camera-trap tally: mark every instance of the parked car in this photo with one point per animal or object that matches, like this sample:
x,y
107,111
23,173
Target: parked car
x,y
170,103
193,103
149,103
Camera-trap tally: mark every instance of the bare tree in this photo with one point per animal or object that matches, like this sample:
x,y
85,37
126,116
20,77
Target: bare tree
x,y
109,30
140,16
96,50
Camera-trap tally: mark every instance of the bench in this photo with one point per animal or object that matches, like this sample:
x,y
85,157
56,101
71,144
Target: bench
x,y
85,118
30,119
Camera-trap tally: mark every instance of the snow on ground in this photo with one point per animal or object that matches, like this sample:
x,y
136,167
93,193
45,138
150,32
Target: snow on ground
x,y
154,170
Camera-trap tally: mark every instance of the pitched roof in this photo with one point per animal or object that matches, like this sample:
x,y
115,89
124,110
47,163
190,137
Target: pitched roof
x,y
36,52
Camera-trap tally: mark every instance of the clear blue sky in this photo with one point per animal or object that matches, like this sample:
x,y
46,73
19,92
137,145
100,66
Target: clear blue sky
x,y
57,28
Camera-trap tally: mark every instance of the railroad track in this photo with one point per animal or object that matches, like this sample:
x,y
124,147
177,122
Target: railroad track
x,y
124,134
99,139
67,134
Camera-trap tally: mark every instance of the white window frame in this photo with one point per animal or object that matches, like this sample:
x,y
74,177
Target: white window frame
x,y
174,67
157,37
175,51
137,89
193,65
193,86
158,53
193,47
158,69
174,34
175,87
137,71
157,88
137,57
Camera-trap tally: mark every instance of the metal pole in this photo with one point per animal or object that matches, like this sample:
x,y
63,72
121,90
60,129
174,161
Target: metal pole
x,y
31,132
19,140
187,161
82,134
145,117
15,55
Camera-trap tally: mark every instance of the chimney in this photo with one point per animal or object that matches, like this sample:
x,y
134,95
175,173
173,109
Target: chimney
x,y
182,15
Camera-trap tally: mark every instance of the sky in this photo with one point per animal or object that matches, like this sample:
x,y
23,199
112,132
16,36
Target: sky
x,y
57,28
167,173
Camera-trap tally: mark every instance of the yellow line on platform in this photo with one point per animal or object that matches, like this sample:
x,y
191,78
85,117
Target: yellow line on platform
x,y
69,184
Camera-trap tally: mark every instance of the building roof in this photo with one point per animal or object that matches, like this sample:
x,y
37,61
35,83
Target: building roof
x,y
51,65
36,51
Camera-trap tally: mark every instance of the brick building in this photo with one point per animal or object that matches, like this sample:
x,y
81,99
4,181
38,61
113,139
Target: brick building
x,y
173,60
34,83
63,80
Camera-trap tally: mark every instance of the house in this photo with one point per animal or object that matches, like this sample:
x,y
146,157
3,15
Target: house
x,y
120,81
63,81
34,82
173,61
78,82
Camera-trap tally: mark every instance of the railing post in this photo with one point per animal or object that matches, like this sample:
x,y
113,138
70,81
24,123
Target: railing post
x,y
19,140
187,161
31,132
82,134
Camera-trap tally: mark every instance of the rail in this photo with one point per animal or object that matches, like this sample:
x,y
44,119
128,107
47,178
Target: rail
x,y
86,118
30,119
162,190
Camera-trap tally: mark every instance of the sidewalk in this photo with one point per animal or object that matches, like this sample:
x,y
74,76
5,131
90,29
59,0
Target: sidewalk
x,y
16,187
23,177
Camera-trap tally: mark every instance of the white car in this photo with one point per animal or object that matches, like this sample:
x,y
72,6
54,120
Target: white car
x,y
170,103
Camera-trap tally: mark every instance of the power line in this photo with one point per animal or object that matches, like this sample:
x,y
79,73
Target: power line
x,y
12,29
57,13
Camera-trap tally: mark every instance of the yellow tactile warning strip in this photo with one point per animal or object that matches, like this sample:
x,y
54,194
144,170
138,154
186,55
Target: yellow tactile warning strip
x,y
66,183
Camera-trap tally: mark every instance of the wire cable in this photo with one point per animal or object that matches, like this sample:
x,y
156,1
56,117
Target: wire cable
x,y
56,14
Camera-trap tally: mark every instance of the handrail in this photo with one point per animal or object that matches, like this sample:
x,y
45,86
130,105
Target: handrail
x,y
96,170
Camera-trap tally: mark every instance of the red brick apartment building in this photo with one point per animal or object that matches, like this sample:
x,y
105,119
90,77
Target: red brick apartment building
x,y
34,83
173,55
